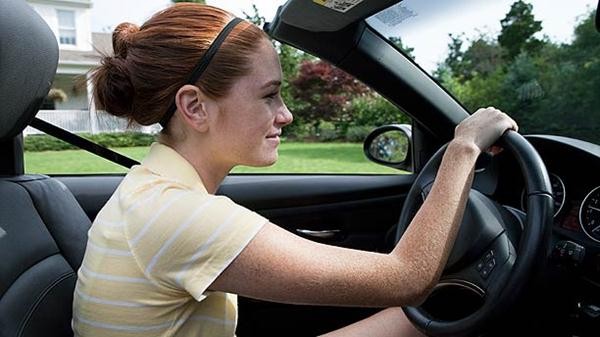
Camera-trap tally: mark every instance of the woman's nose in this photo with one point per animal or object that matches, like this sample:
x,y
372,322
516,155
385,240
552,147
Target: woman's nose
x,y
284,117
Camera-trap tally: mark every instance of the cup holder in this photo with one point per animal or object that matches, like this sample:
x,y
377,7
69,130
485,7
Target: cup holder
x,y
451,301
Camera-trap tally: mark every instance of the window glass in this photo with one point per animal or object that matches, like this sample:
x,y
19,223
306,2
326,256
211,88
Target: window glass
x,y
536,60
67,33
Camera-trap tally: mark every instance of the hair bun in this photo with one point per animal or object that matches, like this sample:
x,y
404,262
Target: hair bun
x,y
122,38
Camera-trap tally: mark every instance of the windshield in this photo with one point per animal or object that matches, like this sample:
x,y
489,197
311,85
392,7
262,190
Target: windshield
x,y
538,61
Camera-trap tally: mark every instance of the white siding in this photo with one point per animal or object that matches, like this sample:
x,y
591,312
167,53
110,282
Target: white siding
x,y
82,21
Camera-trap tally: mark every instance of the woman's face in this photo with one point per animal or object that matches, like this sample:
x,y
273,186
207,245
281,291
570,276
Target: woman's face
x,y
251,116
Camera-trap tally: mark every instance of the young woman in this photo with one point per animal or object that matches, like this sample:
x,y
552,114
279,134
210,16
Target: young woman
x,y
165,256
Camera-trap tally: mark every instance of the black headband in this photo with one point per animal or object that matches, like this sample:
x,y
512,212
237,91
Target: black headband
x,y
202,64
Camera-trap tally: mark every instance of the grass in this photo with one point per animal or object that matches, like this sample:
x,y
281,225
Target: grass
x,y
293,158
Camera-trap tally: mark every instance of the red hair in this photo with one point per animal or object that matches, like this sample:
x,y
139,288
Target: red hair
x,y
151,62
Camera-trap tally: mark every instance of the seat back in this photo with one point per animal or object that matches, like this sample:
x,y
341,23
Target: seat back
x,y
42,227
43,233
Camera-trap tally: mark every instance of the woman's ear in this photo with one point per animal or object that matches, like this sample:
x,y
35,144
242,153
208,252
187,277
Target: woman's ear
x,y
193,107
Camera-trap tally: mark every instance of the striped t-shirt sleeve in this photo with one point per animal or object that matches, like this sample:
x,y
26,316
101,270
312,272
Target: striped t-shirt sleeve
x,y
190,238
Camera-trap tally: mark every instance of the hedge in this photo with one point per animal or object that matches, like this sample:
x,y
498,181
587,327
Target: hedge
x,y
36,143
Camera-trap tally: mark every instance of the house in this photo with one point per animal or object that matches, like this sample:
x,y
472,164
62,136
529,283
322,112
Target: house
x,y
69,104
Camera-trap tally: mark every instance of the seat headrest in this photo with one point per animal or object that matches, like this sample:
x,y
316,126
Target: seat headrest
x,y
28,61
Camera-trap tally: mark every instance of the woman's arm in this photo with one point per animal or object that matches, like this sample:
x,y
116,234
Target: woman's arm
x,y
279,266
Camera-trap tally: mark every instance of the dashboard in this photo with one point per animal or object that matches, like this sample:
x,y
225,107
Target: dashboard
x,y
571,274
574,170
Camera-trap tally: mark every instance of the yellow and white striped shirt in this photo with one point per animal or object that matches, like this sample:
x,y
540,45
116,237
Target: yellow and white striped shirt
x,y
153,251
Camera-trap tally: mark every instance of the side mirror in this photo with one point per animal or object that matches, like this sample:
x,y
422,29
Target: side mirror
x,y
390,145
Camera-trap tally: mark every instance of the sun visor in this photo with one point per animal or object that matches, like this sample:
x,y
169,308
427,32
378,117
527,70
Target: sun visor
x,y
329,15
28,61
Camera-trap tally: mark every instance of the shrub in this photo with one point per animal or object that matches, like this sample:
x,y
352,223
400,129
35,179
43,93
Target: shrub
x,y
298,129
372,110
36,143
358,133
327,132
121,139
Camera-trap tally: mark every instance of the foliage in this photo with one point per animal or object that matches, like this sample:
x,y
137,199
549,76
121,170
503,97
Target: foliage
x,y
325,90
327,132
546,87
36,143
518,28
408,51
255,16
481,58
374,110
45,143
358,133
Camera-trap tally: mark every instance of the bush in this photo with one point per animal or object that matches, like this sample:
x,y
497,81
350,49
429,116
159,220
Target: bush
x,y
122,139
297,130
373,110
35,143
358,133
327,132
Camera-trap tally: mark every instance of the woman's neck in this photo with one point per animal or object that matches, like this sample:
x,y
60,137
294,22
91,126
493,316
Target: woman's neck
x,y
209,172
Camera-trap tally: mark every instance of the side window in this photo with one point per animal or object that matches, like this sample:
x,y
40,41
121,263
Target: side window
x,y
333,113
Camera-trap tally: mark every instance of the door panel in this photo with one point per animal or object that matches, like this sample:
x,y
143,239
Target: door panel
x,y
361,209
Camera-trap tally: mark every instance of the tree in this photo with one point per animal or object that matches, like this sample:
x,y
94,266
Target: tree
x,y
397,41
576,66
453,64
325,90
481,58
255,16
518,28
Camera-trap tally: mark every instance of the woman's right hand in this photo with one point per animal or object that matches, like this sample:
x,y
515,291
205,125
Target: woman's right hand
x,y
484,127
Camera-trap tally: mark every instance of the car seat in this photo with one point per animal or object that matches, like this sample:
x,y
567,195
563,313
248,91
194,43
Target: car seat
x,y
43,230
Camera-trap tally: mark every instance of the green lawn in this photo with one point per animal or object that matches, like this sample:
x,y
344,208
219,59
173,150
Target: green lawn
x,y
293,158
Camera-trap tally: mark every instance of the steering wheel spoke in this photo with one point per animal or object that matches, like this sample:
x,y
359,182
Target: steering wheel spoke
x,y
495,251
487,274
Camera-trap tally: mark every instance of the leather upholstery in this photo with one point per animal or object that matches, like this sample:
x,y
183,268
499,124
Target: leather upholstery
x,y
43,233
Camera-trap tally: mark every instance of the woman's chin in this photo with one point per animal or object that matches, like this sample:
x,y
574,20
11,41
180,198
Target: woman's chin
x,y
265,161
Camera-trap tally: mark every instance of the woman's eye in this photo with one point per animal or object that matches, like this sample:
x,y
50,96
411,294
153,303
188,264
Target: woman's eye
x,y
272,95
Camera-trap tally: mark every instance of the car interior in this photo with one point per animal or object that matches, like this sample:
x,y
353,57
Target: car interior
x,y
523,211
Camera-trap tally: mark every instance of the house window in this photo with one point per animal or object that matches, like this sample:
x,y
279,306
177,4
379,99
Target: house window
x,y
67,33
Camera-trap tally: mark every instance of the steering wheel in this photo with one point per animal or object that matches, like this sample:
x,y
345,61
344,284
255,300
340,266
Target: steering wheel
x,y
495,250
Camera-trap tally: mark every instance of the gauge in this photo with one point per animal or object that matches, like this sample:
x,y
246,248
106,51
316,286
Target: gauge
x,y
589,214
558,194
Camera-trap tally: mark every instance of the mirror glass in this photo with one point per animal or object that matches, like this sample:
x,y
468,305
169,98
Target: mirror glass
x,y
390,147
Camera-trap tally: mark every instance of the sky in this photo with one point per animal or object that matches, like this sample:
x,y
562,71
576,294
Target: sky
x,y
105,17
429,41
